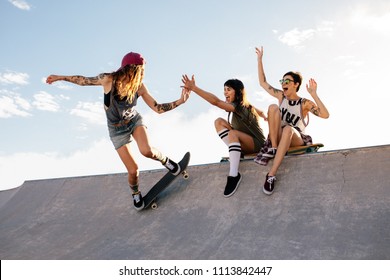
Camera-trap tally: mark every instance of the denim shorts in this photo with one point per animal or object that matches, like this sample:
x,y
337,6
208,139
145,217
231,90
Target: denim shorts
x,y
122,135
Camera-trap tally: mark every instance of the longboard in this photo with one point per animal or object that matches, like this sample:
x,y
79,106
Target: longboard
x,y
243,157
164,182
298,150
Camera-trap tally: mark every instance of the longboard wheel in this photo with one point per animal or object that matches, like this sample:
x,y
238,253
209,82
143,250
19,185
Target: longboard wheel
x,y
185,175
154,205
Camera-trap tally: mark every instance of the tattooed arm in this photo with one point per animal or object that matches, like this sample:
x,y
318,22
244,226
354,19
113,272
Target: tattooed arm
x,y
100,80
162,107
317,107
262,79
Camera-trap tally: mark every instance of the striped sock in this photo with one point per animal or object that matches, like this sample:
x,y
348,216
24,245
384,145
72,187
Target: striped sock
x,y
223,134
234,158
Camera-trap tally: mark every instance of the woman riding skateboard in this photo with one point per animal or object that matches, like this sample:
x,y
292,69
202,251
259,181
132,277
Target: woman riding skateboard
x,y
243,135
122,89
287,120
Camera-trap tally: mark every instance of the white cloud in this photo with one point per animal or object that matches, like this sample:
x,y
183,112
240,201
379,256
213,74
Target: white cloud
x,y
91,112
23,103
45,102
326,27
14,78
20,4
296,38
11,104
9,107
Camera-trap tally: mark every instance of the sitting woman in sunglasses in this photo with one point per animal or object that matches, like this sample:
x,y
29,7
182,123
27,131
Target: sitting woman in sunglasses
x,y
287,122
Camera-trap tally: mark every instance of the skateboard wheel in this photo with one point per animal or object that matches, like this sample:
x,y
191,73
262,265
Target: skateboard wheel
x,y
154,205
185,175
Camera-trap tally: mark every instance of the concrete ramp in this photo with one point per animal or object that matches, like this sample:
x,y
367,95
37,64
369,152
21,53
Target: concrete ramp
x,y
329,205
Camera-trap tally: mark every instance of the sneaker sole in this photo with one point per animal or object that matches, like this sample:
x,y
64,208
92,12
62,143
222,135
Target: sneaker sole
x,y
140,208
263,163
267,192
177,172
268,156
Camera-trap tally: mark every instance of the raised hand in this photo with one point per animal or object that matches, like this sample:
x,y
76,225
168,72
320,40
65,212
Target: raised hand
x,y
312,87
259,52
188,83
185,94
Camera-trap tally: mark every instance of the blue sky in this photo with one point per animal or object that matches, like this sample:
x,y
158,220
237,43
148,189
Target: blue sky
x,y
59,130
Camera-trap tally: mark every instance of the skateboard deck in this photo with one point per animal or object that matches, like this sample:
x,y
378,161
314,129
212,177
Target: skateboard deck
x,y
298,150
243,158
164,182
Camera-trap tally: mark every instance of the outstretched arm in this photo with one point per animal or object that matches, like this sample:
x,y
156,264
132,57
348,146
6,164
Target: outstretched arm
x,y
208,96
162,107
100,80
318,108
262,79
76,79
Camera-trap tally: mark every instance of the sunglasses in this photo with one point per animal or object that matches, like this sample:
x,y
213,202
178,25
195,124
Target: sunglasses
x,y
285,81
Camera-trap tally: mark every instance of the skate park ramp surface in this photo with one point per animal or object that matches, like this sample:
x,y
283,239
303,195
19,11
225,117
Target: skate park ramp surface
x,y
326,205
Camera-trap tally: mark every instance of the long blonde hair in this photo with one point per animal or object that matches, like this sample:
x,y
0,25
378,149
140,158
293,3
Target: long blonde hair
x,y
128,80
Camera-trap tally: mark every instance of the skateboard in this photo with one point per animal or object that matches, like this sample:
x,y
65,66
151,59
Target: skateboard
x,y
243,157
151,197
298,150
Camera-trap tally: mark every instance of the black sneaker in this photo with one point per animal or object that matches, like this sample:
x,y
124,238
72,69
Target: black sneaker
x,y
138,201
232,185
269,184
172,166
